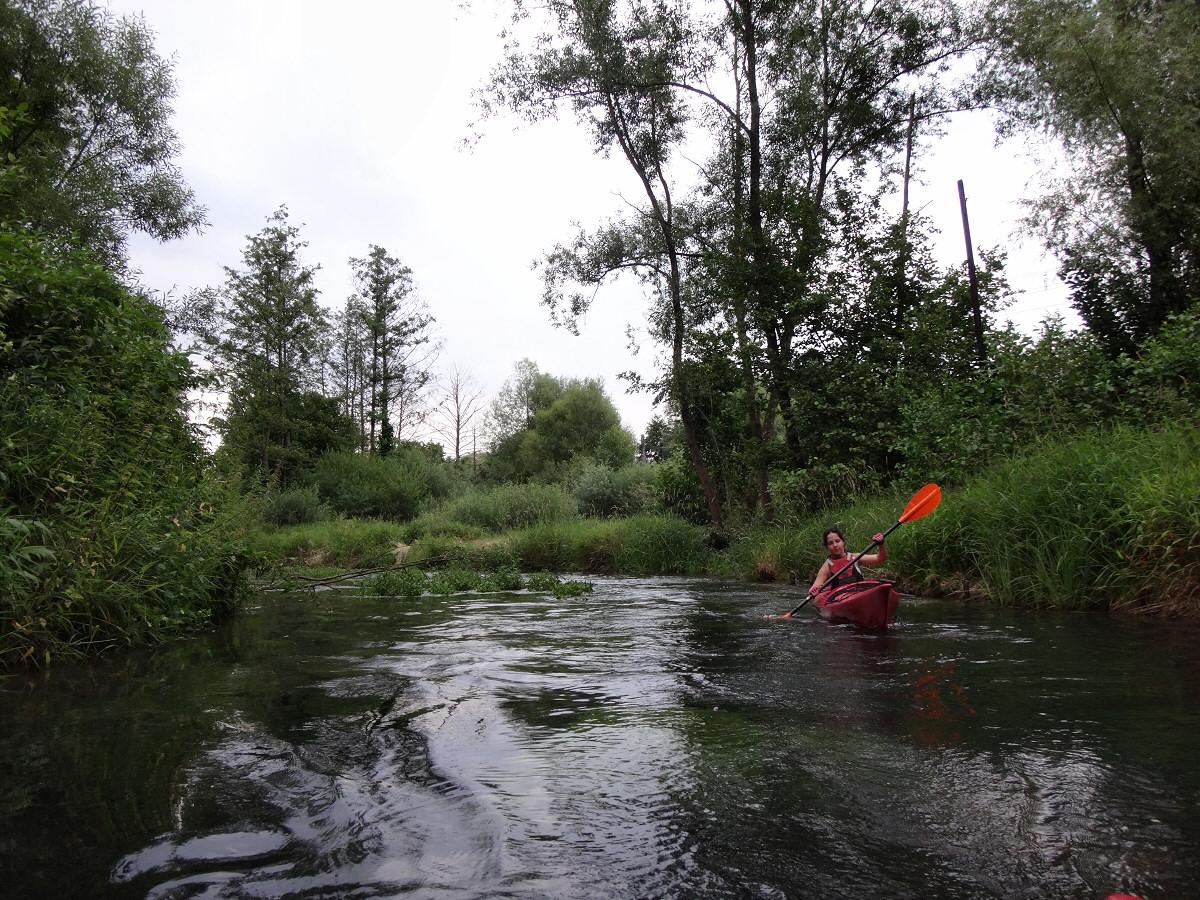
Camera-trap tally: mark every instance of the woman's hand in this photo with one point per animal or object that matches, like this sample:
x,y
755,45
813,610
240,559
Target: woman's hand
x,y
878,538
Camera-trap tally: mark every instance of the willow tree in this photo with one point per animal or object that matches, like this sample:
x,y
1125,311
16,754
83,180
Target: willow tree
x,y
1117,82
615,65
88,133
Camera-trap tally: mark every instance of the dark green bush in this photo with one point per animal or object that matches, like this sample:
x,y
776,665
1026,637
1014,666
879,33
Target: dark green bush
x,y
602,492
116,531
301,506
364,486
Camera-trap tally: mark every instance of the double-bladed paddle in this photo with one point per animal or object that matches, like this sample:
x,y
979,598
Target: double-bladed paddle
x,y
922,503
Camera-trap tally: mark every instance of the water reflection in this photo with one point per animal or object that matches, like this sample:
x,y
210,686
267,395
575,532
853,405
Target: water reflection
x,y
659,738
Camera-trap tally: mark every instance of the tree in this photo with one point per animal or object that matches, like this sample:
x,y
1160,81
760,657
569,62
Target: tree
x,y
462,401
397,350
520,397
812,102
264,330
615,64
89,132
1118,83
578,422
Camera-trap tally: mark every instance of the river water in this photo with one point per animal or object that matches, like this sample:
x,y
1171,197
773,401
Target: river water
x,y
657,738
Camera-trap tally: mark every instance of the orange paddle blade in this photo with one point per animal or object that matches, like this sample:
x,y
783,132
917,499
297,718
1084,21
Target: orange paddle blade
x,y
923,502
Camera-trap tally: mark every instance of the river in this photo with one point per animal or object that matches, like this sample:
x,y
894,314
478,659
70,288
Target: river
x,y
658,738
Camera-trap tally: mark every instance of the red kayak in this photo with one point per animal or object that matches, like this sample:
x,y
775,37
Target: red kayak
x,y
871,604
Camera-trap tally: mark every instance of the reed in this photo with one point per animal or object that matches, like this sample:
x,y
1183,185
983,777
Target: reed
x,y
640,545
348,543
1071,524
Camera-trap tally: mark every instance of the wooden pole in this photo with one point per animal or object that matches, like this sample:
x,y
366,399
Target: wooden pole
x,y
980,350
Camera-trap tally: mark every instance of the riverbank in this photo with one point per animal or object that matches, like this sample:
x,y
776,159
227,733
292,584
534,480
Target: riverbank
x,y
1107,521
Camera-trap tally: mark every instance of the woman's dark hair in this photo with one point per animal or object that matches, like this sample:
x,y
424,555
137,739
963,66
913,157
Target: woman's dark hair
x,y
828,532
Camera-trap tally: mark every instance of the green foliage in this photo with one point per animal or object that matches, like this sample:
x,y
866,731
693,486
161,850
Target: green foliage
x,y
602,492
115,531
542,582
300,506
366,486
88,133
452,581
344,543
406,582
1059,384
678,489
572,589
800,493
513,506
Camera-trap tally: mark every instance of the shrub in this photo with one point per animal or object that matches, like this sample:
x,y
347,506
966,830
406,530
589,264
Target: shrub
x,y
601,492
301,506
364,486
514,506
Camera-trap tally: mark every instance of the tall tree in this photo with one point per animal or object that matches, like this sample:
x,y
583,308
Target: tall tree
x,y
398,349
90,132
1118,83
264,330
615,64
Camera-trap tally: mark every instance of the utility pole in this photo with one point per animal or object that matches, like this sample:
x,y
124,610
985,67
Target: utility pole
x,y
980,350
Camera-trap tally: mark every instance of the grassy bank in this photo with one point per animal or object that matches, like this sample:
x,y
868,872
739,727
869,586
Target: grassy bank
x,y
1111,520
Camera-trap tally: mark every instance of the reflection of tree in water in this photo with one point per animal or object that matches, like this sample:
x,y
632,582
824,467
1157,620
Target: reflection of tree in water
x,y
941,705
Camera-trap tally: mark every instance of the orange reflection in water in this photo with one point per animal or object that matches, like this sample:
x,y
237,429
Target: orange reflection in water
x,y
941,705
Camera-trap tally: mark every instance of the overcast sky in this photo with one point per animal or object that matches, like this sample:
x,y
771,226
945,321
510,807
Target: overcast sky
x,y
354,113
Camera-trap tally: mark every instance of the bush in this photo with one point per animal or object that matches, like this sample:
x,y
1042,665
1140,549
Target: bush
x,y
601,492
301,506
370,487
513,506
115,532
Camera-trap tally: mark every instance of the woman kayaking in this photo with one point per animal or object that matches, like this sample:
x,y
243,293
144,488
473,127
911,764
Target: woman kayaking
x,y
838,567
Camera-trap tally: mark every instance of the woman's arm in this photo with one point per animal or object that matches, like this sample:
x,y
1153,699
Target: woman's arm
x,y
874,559
823,574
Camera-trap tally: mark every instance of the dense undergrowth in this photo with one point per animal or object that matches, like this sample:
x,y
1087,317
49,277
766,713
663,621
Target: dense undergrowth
x,y
114,529
1104,520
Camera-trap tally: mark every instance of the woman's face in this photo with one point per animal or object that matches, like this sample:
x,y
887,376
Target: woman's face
x,y
834,544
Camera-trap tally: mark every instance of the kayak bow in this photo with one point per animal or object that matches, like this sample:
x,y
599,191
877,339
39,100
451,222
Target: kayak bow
x,y
871,604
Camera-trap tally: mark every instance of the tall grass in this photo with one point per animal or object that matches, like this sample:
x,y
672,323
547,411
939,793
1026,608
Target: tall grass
x,y
1057,526
513,506
345,543
641,545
